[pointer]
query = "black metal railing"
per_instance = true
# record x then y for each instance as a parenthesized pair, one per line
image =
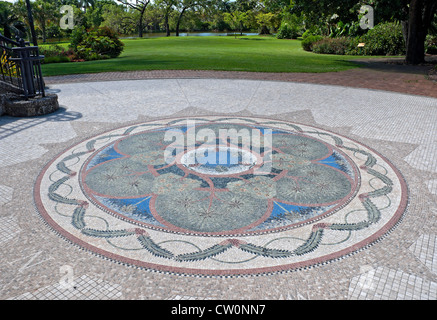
(21, 66)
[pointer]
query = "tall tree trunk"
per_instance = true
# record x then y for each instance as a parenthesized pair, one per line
(141, 23)
(140, 28)
(421, 14)
(44, 33)
(179, 21)
(7, 31)
(416, 34)
(167, 27)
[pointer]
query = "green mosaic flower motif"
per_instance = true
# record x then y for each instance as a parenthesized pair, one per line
(258, 187)
(300, 146)
(199, 212)
(172, 183)
(119, 178)
(142, 143)
(300, 184)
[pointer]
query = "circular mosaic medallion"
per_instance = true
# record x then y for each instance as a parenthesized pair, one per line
(221, 196)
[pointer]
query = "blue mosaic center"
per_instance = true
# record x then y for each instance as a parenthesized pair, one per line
(219, 162)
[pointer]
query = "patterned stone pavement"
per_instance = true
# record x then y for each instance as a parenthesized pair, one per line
(41, 262)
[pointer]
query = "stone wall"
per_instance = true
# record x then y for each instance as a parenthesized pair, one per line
(37, 106)
(12, 103)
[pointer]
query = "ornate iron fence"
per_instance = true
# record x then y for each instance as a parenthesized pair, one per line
(21, 66)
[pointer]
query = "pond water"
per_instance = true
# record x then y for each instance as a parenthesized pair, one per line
(163, 34)
(191, 34)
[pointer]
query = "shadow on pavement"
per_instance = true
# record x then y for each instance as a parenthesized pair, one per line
(11, 125)
(398, 65)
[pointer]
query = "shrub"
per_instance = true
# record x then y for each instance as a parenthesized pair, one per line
(56, 59)
(286, 31)
(332, 46)
(384, 39)
(307, 33)
(353, 48)
(77, 36)
(431, 44)
(55, 53)
(96, 44)
(307, 43)
(291, 26)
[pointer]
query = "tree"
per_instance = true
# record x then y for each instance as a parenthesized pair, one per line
(44, 12)
(153, 17)
(94, 15)
(183, 6)
(243, 5)
(236, 20)
(421, 15)
(140, 6)
(417, 14)
(119, 19)
(167, 7)
(9, 22)
(265, 21)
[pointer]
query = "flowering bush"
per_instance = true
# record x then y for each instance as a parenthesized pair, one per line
(332, 46)
(96, 44)
(55, 53)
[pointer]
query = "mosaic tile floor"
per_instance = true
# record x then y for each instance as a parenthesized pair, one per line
(259, 196)
(335, 199)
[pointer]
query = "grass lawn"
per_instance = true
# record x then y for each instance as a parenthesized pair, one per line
(250, 53)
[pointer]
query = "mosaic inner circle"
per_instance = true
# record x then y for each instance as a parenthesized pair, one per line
(221, 196)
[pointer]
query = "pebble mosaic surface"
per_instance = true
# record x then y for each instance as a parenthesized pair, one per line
(289, 197)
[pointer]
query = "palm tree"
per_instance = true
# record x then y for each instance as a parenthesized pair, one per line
(44, 12)
(9, 21)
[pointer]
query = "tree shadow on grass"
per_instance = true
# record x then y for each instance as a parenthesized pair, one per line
(252, 39)
(347, 63)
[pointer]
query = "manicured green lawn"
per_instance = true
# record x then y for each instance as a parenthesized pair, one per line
(254, 53)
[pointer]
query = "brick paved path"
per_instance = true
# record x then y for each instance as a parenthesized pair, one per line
(374, 75)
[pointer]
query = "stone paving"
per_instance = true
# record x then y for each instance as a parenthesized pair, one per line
(398, 120)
